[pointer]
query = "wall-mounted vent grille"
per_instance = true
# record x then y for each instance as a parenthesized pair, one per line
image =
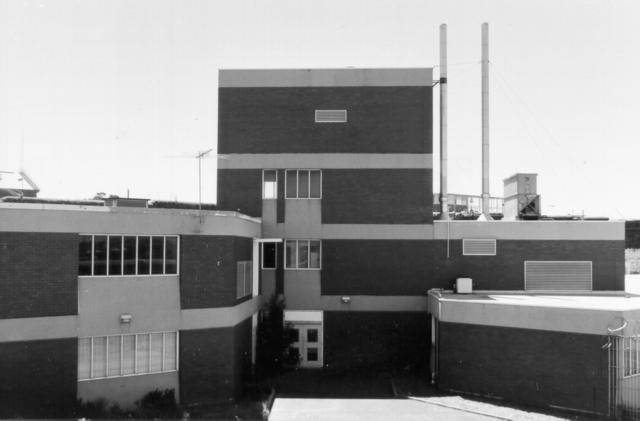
(557, 276)
(331, 116)
(478, 247)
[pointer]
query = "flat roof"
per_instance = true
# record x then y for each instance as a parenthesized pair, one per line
(580, 312)
(269, 78)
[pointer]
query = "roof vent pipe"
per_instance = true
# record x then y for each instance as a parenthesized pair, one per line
(485, 123)
(444, 194)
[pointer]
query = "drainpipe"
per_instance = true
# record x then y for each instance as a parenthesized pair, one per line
(444, 194)
(485, 122)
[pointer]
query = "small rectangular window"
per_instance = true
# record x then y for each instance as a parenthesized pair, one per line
(84, 255)
(314, 184)
(99, 255)
(100, 357)
(170, 360)
(155, 352)
(292, 184)
(129, 255)
(303, 184)
(113, 343)
(128, 354)
(144, 252)
(244, 275)
(157, 255)
(115, 255)
(142, 354)
(269, 255)
(331, 116)
(171, 255)
(290, 254)
(269, 184)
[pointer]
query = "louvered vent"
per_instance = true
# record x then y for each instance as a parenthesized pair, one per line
(331, 116)
(478, 247)
(557, 276)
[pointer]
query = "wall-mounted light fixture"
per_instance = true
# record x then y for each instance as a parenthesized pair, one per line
(345, 300)
(125, 318)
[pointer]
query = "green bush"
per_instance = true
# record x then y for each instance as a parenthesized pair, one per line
(156, 404)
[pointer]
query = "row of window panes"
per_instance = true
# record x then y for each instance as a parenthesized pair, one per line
(244, 277)
(117, 255)
(127, 355)
(631, 346)
(299, 184)
(303, 254)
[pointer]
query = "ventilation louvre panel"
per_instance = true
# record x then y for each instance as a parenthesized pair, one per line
(479, 247)
(558, 276)
(331, 116)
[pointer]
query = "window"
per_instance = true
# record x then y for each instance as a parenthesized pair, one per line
(303, 184)
(631, 352)
(331, 116)
(126, 355)
(269, 255)
(478, 247)
(303, 254)
(118, 255)
(269, 184)
(244, 277)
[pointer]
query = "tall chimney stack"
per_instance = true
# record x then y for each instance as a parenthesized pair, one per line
(444, 194)
(485, 122)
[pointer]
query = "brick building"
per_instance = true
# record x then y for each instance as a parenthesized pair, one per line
(325, 177)
(338, 164)
(107, 302)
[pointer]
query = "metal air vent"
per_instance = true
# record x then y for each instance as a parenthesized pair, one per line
(557, 275)
(478, 247)
(331, 116)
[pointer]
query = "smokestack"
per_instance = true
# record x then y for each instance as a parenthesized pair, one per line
(485, 122)
(444, 194)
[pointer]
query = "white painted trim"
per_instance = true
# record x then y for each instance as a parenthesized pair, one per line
(327, 161)
(530, 230)
(262, 78)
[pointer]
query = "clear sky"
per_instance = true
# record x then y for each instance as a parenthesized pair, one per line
(105, 96)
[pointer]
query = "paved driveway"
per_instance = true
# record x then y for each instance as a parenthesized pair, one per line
(301, 409)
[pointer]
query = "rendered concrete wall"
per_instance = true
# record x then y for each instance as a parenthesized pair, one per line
(152, 301)
(125, 391)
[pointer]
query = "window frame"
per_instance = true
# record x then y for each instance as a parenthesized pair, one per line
(122, 260)
(297, 260)
(246, 293)
(262, 256)
(276, 190)
(297, 196)
(135, 355)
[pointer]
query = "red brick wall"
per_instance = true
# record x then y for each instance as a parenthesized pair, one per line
(208, 269)
(39, 378)
(526, 366)
(214, 363)
(38, 274)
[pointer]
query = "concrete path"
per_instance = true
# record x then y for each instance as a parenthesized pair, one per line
(301, 409)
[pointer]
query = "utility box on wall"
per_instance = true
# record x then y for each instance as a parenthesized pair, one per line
(521, 198)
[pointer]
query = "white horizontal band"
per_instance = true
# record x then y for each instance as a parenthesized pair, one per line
(326, 160)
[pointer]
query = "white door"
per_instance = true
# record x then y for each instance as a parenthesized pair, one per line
(308, 344)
